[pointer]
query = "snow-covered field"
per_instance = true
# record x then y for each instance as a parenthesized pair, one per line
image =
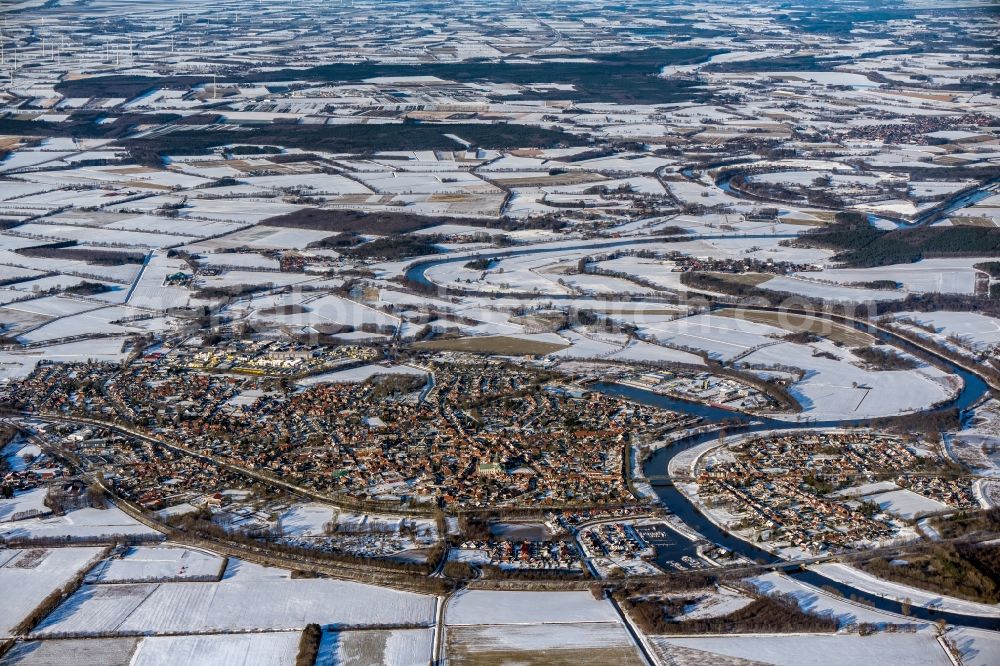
(814, 649)
(976, 444)
(262, 649)
(830, 292)
(28, 501)
(17, 364)
(953, 275)
(588, 345)
(978, 647)
(359, 374)
(906, 504)
(264, 238)
(393, 647)
(538, 637)
(160, 564)
(722, 337)
(840, 387)
(79, 651)
(322, 310)
(835, 383)
(495, 607)
(715, 603)
(310, 519)
(233, 605)
(82, 523)
(28, 576)
(976, 331)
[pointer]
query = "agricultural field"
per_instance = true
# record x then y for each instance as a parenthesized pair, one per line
(28, 576)
(258, 649)
(536, 644)
(395, 647)
(80, 524)
(804, 649)
(802, 324)
(391, 317)
(230, 605)
(164, 564)
(474, 607)
(499, 344)
(487, 627)
(82, 651)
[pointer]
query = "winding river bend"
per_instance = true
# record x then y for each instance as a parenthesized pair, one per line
(676, 502)
(973, 390)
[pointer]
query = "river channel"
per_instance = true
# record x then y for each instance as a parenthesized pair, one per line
(672, 499)
(973, 389)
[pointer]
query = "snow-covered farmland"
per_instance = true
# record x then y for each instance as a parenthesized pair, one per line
(28, 576)
(656, 271)
(438, 182)
(99, 236)
(495, 607)
(313, 310)
(972, 330)
(15, 364)
(723, 338)
(79, 651)
(315, 183)
(907, 504)
(261, 649)
(841, 387)
(978, 647)
(811, 288)
(233, 605)
(951, 275)
(265, 238)
(98, 321)
(28, 501)
(80, 524)
(812, 649)
(486, 638)
(150, 290)
(394, 647)
(312, 518)
(595, 642)
(158, 564)
(610, 346)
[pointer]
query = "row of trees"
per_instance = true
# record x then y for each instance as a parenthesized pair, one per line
(884, 359)
(309, 645)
